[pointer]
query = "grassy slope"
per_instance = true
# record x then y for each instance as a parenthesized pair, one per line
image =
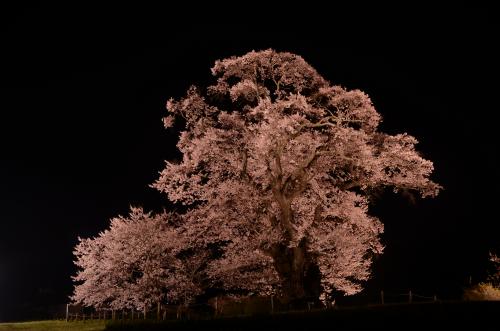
(53, 326)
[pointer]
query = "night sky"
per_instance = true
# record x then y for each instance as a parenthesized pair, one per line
(83, 91)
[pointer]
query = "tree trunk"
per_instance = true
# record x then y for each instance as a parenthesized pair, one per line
(296, 280)
(298, 272)
(290, 263)
(296, 268)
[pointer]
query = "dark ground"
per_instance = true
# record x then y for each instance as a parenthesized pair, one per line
(423, 316)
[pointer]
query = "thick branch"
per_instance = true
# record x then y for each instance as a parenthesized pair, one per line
(256, 84)
(286, 215)
(277, 162)
(244, 173)
(332, 121)
(300, 173)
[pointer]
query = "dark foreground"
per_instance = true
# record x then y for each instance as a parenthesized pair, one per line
(428, 316)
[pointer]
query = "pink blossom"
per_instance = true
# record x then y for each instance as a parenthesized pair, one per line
(279, 175)
(276, 178)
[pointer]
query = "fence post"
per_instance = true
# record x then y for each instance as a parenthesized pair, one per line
(272, 304)
(435, 298)
(104, 315)
(145, 311)
(409, 297)
(217, 306)
(382, 296)
(158, 311)
(67, 312)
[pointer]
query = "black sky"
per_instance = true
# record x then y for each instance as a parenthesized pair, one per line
(82, 94)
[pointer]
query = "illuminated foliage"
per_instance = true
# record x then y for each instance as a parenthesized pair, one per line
(139, 261)
(277, 171)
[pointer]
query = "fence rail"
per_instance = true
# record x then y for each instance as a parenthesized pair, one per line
(224, 307)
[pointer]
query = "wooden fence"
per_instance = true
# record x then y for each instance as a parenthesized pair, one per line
(228, 307)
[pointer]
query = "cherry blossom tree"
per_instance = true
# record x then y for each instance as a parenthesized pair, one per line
(277, 173)
(138, 262)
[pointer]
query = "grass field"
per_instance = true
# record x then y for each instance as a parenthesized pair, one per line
(53, 326)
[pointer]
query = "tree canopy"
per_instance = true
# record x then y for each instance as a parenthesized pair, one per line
(278, 166)
(277, 173)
